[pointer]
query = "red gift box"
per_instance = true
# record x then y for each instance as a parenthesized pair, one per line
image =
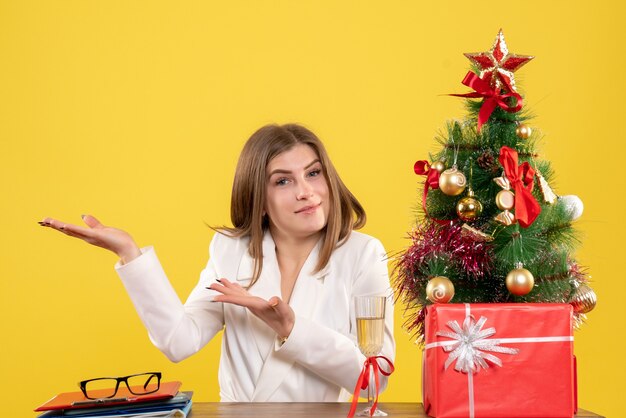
(503, 360)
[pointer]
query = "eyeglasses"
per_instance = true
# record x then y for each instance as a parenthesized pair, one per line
(107, 387)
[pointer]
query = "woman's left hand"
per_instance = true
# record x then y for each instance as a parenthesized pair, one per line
(277, 314)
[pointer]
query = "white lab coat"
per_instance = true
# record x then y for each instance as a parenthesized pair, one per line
(319, 362)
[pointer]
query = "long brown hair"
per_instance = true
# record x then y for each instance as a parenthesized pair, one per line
(249, 186)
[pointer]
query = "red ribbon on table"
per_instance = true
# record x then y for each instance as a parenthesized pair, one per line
(492, 97)
(363, 381)
(522, 180)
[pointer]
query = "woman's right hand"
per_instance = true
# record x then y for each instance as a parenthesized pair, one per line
(113, 239)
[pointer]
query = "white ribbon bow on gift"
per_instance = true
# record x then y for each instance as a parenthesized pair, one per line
(470, 350)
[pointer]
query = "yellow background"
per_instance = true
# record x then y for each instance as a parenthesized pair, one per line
(136, 112)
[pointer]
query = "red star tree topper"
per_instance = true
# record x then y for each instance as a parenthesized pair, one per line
(497, 65)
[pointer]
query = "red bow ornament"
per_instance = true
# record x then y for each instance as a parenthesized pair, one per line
(363, 381)
(522, 180)
(492, 97)
(423, 168)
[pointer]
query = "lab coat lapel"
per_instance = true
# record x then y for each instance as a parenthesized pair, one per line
(267, 285)
(307, 291)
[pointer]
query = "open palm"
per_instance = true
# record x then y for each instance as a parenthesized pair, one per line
(277, 314)
(95, 233)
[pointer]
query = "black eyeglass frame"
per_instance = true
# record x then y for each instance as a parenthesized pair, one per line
(83, 384)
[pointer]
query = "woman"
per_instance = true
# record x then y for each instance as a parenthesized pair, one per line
(291, 236)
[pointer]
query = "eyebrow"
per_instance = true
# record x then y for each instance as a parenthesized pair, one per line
(282, 171)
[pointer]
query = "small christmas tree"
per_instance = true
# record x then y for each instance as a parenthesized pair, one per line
(492, 229)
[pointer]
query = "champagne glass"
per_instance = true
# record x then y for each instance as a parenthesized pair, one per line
(370, 325)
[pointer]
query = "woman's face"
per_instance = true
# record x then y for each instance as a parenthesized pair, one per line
(297, 197)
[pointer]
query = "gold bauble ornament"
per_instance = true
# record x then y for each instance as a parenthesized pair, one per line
(452, 182)
(469, 208)
(438, 165)
(520, 281)
(439, 290)
(505, 200)
(523, 131)
(584, 299)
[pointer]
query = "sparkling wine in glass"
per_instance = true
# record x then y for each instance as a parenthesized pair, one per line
(370, 322)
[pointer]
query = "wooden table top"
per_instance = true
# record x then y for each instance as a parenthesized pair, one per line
(312, 409)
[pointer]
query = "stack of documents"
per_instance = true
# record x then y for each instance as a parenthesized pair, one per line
(166, 402)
